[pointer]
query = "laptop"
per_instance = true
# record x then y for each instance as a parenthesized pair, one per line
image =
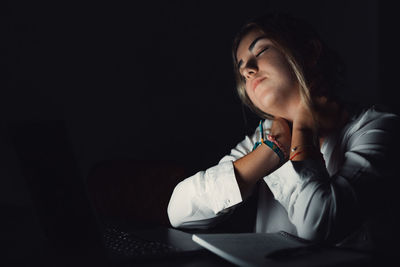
(73, 231)
(278, 249)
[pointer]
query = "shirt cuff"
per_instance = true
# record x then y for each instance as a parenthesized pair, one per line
(222, 181)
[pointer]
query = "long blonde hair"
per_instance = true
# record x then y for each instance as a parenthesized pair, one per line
(316, 67)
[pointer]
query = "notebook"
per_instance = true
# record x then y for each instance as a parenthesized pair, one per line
(276, 249)
(70, 226)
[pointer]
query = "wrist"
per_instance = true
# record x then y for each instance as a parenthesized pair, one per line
(276, 148)
(304, 144)
(272, 143)
(301, 152)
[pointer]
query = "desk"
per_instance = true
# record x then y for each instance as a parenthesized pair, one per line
(25, 246)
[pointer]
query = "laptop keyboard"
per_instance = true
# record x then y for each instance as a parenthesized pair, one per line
(131, 246)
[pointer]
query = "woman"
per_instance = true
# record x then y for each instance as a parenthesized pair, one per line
(316, 165)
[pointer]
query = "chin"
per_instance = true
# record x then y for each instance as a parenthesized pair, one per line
(266, 108)
(268, 111)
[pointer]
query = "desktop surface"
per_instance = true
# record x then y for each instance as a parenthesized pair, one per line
(26, 246)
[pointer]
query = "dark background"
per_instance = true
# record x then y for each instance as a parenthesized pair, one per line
(153, 79)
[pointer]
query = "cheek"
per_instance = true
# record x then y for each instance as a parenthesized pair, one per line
(286, 72)
(263, 98)
(250, 93)
(255, 97)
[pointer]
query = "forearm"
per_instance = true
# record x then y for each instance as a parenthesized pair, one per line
(304, 144)
(254, 166)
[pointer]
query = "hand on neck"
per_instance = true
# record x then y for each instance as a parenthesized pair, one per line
(324, 117)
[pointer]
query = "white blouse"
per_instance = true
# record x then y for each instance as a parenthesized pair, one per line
(314, 200)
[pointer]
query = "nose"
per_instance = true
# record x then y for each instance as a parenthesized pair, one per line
(250, 69)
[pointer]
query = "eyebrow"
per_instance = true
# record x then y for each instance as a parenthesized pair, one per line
(251, 47)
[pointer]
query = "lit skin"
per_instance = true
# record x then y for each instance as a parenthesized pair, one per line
(272, 87)
(278, 93)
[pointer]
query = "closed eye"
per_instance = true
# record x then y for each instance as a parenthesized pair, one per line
(262, 51)
(258, 54)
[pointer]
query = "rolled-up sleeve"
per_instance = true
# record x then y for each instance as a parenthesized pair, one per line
(202, 200)
(197, 200)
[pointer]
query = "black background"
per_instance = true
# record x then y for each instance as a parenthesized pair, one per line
(153, 80)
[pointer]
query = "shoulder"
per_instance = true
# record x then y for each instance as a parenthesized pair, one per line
(373, 117)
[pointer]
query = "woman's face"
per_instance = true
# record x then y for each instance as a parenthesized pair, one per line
(270, 83)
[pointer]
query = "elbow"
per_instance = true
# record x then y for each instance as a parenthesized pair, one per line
(316, 221)
(172, 216)
(179, 206)
(314, 229)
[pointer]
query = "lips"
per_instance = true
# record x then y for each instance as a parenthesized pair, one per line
(257, 82)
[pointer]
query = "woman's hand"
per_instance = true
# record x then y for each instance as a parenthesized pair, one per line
(281, 131)
(323, 118)
(304, 119)
(262, 161)
(311, 125)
